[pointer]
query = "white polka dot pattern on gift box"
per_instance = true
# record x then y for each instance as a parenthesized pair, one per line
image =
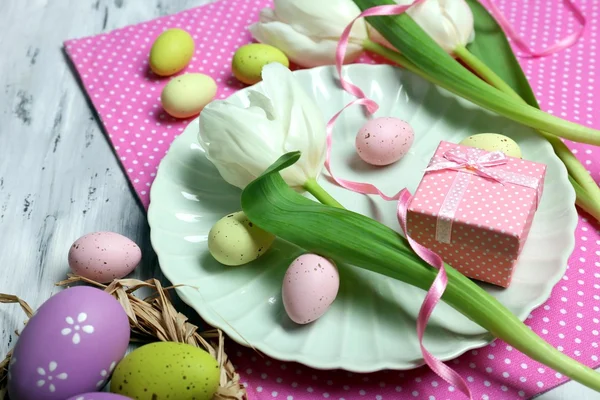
(474, 210)
(127, 100)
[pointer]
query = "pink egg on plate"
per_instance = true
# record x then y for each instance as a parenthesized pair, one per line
(104, 256)
(71, 345)
(99, 396)
(310, 286)
(383, 141)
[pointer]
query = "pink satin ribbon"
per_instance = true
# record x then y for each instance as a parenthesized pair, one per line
(520, 43)
(404, 197)
(370, 105)
(431, 299)
(340, 53)
(359, 187)
(476, 160)
(439, 284)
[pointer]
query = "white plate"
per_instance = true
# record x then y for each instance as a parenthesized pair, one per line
(371, 325)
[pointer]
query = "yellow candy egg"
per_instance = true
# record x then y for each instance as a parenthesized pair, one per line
(171, 52)
(187, 94)
(234, 240)
(493, 142)
(249, 60)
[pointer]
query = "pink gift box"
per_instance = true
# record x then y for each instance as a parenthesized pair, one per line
(475, 208)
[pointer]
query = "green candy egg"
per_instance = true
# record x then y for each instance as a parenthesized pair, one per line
(166, 370)
(249, 60)
(493, 142)
(171, 52)
(234, 240)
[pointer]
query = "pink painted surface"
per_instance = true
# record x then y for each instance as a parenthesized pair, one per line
(113, 71)
(491, 220)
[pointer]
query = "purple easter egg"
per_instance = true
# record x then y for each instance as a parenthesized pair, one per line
(99, 396)
(71, 345)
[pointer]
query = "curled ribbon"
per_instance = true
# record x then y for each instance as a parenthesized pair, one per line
(479, 164)
(432, 298)
(439, 284)
(520, 43)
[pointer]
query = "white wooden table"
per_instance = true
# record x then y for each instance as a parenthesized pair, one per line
(59, 178)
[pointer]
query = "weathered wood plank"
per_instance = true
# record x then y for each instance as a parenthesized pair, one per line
(59, 178)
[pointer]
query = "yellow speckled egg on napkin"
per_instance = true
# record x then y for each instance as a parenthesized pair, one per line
(167, 370)
(186, 95)
(171, 52)
(249, 60)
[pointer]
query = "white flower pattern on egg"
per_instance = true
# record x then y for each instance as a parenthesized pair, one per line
(105, 374)
(76, 327)
(48, 377)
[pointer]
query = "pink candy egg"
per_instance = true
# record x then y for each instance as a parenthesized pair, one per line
(310, 285)
(383, 141)
(99, 396)
(71, 345)
(104, 256)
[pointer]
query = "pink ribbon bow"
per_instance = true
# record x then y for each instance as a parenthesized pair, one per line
(475, 160)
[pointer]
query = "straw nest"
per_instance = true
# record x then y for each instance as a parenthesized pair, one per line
(152, 319)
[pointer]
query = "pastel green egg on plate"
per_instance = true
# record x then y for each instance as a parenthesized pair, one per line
(372, 324)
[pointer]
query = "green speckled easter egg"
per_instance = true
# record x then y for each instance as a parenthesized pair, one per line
(249, 60)
(493, 142)
(166, 370)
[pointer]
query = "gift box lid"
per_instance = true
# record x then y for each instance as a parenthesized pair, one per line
(486, 206)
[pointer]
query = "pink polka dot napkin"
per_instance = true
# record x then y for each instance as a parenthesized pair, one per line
(114, 73)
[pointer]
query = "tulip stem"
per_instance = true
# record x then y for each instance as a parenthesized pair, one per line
(584, 201)
(321, 194)
(397, 58)
(588, 192)
(484, 72)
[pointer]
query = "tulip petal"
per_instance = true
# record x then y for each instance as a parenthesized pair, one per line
(321, 19)
(243, 141)
(448, 22)
(302, 120)
(300, 49)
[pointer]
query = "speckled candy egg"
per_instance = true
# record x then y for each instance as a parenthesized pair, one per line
(70, 346)
(383, 141)
(235, 240)
(99, 396)
(104, 256)
(165, 370)
(248, 61)
(310, 285)
(186, 95)
(493, 142)
(171, 52)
